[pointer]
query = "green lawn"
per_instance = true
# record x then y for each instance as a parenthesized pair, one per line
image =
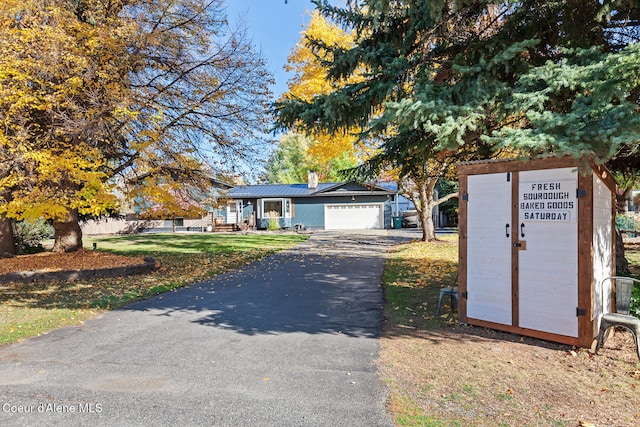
(413, 277)
(168, 243)
(31, 309)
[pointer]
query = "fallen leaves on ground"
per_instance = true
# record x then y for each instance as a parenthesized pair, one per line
(441, 373)
(28, 309)
(79, 260)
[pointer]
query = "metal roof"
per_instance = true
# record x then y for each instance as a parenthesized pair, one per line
(299, 190)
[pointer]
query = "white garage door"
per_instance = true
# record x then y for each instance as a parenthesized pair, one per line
(354, 217)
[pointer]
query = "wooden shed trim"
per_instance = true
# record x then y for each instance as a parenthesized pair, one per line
(563, 339)
(514, 165)
(462, 249)
(515, 252)
(585, 249)
(585, 260)
(517, 165)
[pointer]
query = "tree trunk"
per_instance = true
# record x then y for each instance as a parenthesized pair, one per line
(428, 229)
(7, 244)
(622, 200)
(68, 235)
(425, 194)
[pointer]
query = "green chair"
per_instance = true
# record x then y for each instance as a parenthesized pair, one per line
(623, 287)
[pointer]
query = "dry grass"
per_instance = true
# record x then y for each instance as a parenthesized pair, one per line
(443, 374)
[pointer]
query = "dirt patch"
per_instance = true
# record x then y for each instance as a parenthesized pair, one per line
(467, 376)
(79, 260)
(441, 373)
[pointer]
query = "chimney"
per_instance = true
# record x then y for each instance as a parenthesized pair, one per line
(313, 180)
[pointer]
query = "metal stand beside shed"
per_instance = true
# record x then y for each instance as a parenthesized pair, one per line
(536, 239)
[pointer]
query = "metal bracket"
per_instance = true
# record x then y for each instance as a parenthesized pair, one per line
(580, 312)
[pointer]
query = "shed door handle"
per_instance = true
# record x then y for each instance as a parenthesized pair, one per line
(507, 229)
(522, 230)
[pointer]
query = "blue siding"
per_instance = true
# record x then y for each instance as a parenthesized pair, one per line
(246, 211)
(282, 222)
(310, 211)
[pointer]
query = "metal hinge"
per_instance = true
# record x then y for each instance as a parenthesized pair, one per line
(465, 197)
(580, 193)
(580, 312)
(465, 295)
(508, 176)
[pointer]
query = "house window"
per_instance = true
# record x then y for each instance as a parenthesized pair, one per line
(272, 205)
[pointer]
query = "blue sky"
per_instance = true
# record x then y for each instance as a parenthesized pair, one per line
(275, 29)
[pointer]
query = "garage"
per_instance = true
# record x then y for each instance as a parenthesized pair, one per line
(354, 216)
(313, 206)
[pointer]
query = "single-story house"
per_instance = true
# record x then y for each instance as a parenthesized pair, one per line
(313, 205)
(132, 220)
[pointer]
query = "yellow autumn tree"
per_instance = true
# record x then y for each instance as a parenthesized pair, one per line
(61, 86)
(94, 93)
(311, 79)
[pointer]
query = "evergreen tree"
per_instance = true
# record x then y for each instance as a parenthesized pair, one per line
(454, 79)
(583, 99)
(407, 51)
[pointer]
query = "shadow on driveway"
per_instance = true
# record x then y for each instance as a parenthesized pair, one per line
(289, 340)
(329, 284)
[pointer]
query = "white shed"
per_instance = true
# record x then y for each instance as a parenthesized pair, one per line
(536, 239)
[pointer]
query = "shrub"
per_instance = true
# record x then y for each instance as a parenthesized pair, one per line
(29, 234)
(635, 302)
(274, 221)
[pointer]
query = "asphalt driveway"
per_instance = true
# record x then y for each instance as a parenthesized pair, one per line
(288, 341)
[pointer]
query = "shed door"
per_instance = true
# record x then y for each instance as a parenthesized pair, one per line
(548, 267)
(354, 217)
(489, 248)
